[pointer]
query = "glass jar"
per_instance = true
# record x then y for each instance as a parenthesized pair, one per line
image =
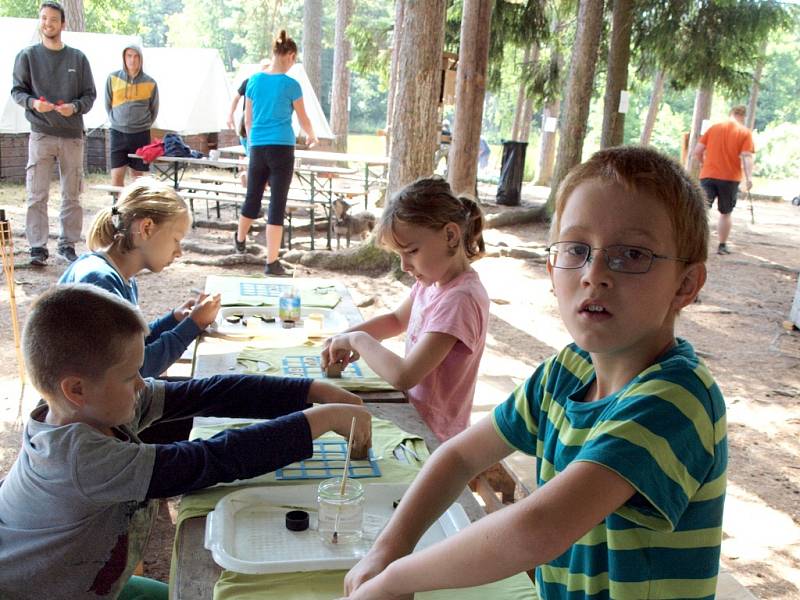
(342, 513)
(289, 305)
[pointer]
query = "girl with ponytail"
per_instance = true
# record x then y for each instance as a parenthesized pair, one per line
(437, 235)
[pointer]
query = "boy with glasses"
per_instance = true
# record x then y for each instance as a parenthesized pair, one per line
(627, 424)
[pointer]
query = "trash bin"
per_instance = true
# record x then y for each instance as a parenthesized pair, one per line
(512, 168)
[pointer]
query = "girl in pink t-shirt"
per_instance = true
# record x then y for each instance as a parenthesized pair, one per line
(437, 235)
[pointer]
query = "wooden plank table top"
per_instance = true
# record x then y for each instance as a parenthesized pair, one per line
(195, 569)
(369, 159)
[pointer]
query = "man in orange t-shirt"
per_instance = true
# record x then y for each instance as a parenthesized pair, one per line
(723, 150)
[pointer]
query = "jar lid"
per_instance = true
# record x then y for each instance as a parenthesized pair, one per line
(297, 520)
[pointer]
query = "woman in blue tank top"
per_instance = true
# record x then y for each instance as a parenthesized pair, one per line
(270, 98)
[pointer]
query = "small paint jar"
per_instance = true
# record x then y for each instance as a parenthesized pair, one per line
(340, 513)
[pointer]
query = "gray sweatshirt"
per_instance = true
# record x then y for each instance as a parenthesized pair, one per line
(131, 103)
(57, 75)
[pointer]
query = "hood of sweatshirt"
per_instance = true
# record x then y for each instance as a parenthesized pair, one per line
(138, 49)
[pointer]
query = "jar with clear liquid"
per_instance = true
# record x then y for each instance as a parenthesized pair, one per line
(289, 305)
(343, 513)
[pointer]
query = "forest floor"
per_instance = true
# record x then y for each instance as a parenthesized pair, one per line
(736, 329)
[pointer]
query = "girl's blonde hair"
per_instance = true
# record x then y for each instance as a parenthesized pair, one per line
(283, 44)
(144, 198)
(430, 202)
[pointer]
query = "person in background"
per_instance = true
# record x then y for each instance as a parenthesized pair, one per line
(132, 107)
(445, 317)
(54, 84)
(270, 99)
(724, 151)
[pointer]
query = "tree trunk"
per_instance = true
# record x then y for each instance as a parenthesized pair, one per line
(547, 146)
(73, 10)
(752, 101)
(399, 8)
(340, 87)
(578, 94)
(473, 62)
(524, 109)
(520, 104)
(419, 76)
(702, 110)
(312, 43)
(619, 54)
(652, 111)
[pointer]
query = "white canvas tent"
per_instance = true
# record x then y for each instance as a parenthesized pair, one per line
(313, 108)
(194, 92)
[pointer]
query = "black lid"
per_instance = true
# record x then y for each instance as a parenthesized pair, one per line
(297, 520)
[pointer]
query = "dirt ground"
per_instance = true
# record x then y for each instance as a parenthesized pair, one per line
(736, 328)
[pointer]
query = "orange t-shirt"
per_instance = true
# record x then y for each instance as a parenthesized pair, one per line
(724, 143)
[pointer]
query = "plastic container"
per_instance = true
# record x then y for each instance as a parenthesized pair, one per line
(289, 305)
(246, 531)
(340, 513)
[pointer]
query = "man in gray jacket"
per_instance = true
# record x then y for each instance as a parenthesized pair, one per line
(54, 84)
(132, 106)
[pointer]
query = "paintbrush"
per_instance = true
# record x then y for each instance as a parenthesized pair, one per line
(335, 539)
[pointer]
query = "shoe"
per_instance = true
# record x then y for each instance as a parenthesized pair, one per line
(723, 249)
(67, 253)
(241, 247)
(276, 269)
(39, 256)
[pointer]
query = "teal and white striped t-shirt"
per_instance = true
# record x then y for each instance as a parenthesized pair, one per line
(664, 433)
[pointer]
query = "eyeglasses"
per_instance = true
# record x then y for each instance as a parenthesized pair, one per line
(619, 258)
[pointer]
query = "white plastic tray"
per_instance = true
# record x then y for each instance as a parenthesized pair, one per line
(332, 322)
(246, 533)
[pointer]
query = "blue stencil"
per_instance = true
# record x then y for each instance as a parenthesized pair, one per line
(310, 365)
(328, 461)
(252, 289)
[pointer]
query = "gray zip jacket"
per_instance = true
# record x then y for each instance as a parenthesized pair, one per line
(131, 103)
(63, 75)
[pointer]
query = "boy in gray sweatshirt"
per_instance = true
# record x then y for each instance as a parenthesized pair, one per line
(132, 106)
(54, 84)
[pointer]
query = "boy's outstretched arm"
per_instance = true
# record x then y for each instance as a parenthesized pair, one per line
(514, 539)
(441, 481)
(243, 453)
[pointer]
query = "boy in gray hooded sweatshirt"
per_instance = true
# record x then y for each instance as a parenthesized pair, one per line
(132, 106)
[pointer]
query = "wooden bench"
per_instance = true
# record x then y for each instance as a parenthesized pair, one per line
(296, 202)
(218, 179)
(112, 190)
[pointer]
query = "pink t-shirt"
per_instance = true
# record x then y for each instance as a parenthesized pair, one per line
(459, 308)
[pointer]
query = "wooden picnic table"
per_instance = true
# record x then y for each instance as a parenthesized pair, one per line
(371, 162)
(218, 354)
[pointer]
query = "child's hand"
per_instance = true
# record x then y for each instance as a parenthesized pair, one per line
(205, 310)
(338, 349)
(327, 393)
(337, 417)
(372, 588)
(182, 311)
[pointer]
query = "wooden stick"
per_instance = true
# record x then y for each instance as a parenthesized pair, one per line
(7, 253)
(342, 487)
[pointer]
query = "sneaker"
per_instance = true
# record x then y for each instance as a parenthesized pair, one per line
(67, 253)
(276, 269)
(723, 249)
(240, 246)
(39, 256)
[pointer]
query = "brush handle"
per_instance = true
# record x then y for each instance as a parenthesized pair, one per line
(347, 457)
